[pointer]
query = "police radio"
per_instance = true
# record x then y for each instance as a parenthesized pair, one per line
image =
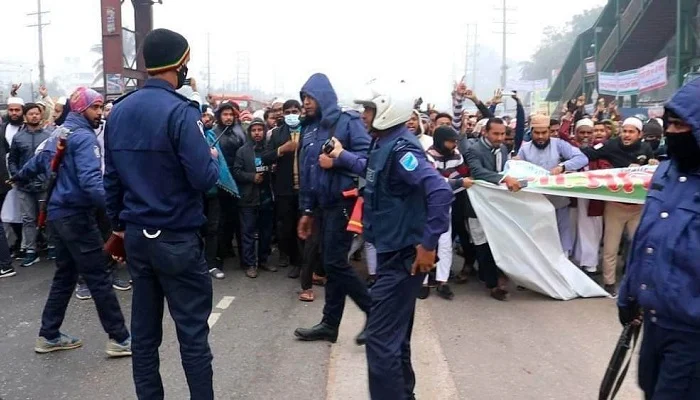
(328, 146)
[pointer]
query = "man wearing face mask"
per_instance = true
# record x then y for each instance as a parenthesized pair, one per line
(663, 273)
(652, 133)
(283, 151)
(157, 169)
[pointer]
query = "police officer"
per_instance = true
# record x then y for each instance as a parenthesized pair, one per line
(663, 272)
(157, 168)
(406, 209)
(321, 196)
(78, 191)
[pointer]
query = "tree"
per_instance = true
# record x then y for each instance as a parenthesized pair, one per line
(553, 50)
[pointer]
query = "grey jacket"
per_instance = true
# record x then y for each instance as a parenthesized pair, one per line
(22, 149)
(481, 159)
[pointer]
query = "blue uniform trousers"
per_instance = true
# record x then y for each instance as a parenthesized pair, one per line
(669, 363)
(79, 250)
(256, 220)
(342, 278)
(390, 324)
(169, 265)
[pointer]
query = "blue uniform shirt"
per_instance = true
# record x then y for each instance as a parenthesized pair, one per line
(663, 271)
(79, 186)
(410, 169)
(319, 187)
(157, 161)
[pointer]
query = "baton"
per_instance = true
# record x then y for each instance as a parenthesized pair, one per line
(219, 137)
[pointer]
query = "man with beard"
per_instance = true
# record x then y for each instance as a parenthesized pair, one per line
(486, 160)
(321, 196)
(627, 150)
(231, 138)
(663, 273)
(416, 126)
(255, 204)
(31, 192)
(79, 247)
(558, 157)
(15, 119)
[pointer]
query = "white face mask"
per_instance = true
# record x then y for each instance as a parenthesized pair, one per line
(292, 120)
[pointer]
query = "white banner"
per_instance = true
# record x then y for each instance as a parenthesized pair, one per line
(653, 76)
(521, 230)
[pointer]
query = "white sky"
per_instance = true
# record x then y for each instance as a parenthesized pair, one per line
(420, 41)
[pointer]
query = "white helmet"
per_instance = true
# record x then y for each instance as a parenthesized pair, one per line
(393, 102)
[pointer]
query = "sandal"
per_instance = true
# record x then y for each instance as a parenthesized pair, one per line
(306, 295)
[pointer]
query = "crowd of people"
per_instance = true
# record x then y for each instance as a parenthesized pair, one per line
(288, 174)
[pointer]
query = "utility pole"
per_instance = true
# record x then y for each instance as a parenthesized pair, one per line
(504, 32)
(208, 63)
(471, 53)
(40, 27)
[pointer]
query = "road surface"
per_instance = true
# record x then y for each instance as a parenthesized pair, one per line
(473, 347)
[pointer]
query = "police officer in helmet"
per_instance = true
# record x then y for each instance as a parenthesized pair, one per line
(157, 168)
(406, 210)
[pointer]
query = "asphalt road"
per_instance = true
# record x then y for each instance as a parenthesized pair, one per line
(472, 347)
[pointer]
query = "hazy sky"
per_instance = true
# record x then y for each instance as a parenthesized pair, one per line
(354, 41)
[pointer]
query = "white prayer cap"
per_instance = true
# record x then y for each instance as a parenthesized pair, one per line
(660, 121)
(15, 100)
(62, 100)
(278, 100)
(635, 122)
(260, 114)
(584, 122)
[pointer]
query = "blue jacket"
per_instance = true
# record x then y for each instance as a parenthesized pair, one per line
(319, 187)
(79, 187)
(407, 174)
(663, 271)
(157, 162)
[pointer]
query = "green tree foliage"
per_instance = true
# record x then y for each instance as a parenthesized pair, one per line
(556, 45)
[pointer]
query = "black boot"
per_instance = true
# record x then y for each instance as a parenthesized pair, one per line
(321, 331)
(361, 339)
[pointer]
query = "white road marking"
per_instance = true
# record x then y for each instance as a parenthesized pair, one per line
(434, 380)
(213, 317)
(225, 302)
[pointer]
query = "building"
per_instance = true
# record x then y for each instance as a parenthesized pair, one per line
(628, 35)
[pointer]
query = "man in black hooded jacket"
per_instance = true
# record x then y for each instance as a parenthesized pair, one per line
(231, 137)
(256, 202)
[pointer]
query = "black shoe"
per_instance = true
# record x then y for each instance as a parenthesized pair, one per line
(361, 339)
(424, 292)
(431, 279)
(283, 261)
(445, 291)
(294, 272)
(321, 331)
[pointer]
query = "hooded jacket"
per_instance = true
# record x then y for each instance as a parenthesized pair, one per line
(233, 137)
(320, 187)
(662, 270)
(248, 163)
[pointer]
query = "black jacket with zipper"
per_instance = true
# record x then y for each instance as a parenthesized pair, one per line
(24, 144)
(283, 183)
(244, 170)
